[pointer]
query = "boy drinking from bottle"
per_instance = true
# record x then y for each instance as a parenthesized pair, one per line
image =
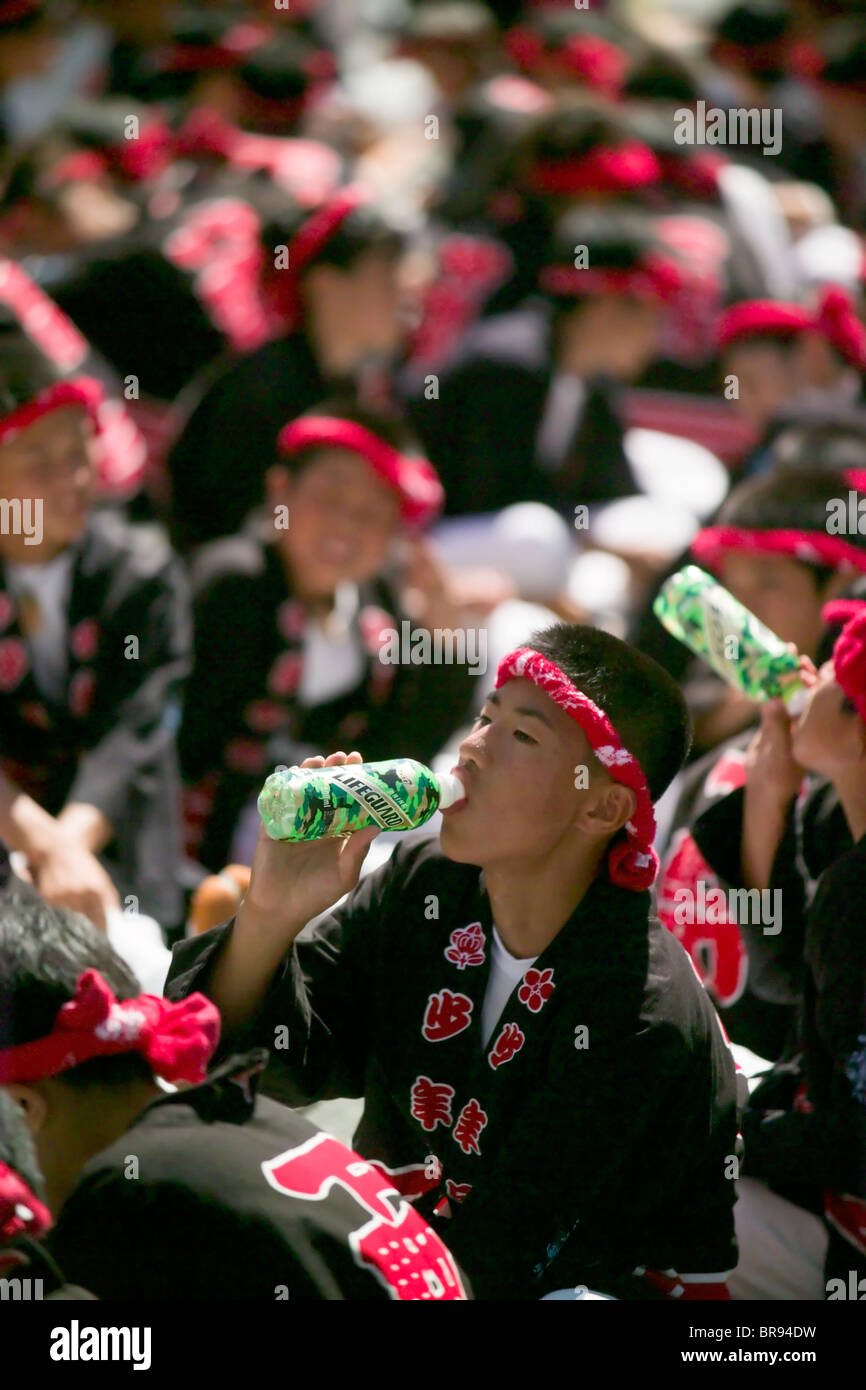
(542, 1072)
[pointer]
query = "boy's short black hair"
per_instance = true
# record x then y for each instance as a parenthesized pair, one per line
(43, 951)
(789, 499)
(364, 231)
(644, 704)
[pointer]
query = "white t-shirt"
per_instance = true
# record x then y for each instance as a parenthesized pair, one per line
(506, 972)
(333, 660)
(49, 585)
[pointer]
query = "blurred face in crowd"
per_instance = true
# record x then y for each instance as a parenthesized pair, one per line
(356, 311)
(522, 739)
(610, 335)
(342, 519)
(50, 462)
(765, 380)
(829, 736)
(782, 593)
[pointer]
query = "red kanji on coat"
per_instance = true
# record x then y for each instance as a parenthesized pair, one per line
(431, 1102)
(84, 639)
(536, 989)
(457, 1191)
(285, 673)
(510, 1041)
(13, 662)
(81, 691)
(291, 619)
(470, 1123)
(447, 1014)
(467, 946)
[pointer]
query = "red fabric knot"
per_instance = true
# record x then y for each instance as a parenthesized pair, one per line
(176, 1040)
(849, 658)
(21, 1213)
(631, 863)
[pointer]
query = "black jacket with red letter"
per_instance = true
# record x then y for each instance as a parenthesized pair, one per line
(590, 1136)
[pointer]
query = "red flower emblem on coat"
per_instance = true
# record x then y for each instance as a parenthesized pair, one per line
(7, 610)
(245, 755)
(376, 627)
(81, 691)
(467, 946)
(291, 619)
(285, 674)
(536, 989)
(470, 1123)
(447, 1014)
(83, 639)
(509, 1042)
(457, 1191)
(264, 716)
(13, 662)
(431, 1102)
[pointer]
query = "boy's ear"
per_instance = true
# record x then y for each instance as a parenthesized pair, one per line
(278, 483)
(608, 811)
(31, 1103)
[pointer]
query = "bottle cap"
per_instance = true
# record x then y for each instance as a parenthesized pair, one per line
(451, 789)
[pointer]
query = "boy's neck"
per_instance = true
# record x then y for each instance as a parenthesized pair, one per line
(106, 1114)
(852, 795)
(531, 902)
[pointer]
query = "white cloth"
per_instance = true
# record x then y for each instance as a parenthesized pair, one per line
(566, 398)
(138, 941)
(333, 661)
(506, 972)
(782, 1247)
(49, 585)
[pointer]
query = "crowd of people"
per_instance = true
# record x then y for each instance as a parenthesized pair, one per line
(330, 321)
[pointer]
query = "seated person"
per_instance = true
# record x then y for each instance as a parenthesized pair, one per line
(527, 408)
(805, 1125)
(770, 547)
(289, 624)
(254, 1202)
(524, 1033)
(93, 649)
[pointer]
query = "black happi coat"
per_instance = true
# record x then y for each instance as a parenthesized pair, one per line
(241, 718)
(210, 1214)
(481, 430)
(229, 440)
(109, 741)
(562, 1156)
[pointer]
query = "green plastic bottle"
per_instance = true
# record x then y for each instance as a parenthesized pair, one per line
(704, 616)
(308, 803)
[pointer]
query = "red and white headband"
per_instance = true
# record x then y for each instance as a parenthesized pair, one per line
(309, 240)
(810, 547)
(656, 278)
(21, 1213)
(415, 480)
(81, 390)
(176, 1040)
(631, 863)
(849, 649)
(604, 169)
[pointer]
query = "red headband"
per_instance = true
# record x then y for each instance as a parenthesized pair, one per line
(657, 278)
(834, 318)
(413, 479)
(176, 1040)
(811, 547)
(632, 863)
(849, 653)
(309, 240)
(21, 1214)
(599, 63)
(602, 170)
(81, 390)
